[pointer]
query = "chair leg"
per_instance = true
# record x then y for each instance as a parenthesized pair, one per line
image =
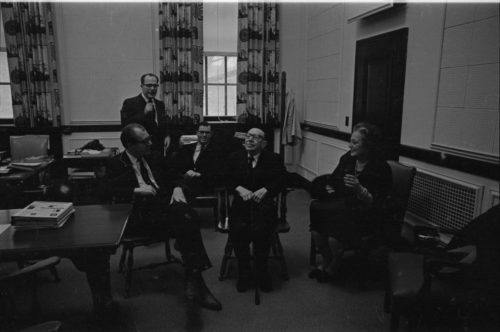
(279, 248)
(228, 250)
(128, 273)
(312, 253)
(123, 256)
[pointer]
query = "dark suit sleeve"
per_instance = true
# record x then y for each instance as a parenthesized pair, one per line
(233, 172)
(118, 184)
(278, 176)
(131, 113)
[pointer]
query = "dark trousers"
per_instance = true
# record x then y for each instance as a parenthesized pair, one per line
(96, 266)
(261, 239)
(157, 219)
(252, 223)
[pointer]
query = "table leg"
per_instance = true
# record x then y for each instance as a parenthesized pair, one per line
(97, 268)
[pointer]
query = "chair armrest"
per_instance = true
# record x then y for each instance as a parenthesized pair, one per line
(31, 269)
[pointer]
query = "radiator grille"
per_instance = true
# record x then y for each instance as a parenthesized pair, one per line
(443, 201)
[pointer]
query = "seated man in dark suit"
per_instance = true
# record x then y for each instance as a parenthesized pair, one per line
(146, 110)
(255, 176)
(160, 207)
(198, 163)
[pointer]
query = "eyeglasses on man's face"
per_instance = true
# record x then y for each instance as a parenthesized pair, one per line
(204, 132)
(253, 137)
(146, 140)
(151, 86)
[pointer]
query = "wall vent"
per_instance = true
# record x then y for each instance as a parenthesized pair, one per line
(443, 201)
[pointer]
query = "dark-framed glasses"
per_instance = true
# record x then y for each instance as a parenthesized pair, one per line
(146, 140)
(253, 137)
(151, 86)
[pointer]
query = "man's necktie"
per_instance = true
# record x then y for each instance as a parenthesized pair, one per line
(250, 162)
(144, 172)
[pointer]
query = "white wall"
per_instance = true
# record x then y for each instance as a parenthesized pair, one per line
(328, 69)
(103, 48)
(468, 96)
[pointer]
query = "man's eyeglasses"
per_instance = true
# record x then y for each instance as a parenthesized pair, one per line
(250, 137)
(203, 132)
(146, 140)
(151, 86)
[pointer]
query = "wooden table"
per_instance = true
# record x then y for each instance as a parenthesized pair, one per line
(88, 238)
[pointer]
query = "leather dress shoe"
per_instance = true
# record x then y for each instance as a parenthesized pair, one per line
(207, 300)
(197, 292)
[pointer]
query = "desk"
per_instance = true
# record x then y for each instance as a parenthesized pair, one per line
(88, 238)
(19, 176)
(87, 160)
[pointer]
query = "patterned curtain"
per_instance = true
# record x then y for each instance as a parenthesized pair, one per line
(258, 92)
(29, 37)
(181, 60)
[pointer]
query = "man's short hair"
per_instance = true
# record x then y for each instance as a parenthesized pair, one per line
(128, 135)
(204, 124)
(143, 77)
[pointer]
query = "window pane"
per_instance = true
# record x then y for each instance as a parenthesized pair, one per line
(231, 69)
(231, 100)
(216, 102)
(215, 69)
(5, 102)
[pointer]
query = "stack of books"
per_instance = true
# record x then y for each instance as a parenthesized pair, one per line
(40, 215)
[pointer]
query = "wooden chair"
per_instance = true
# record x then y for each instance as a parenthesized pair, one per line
(126, 264)
(277, 252)
(394, 210)
(9, 281)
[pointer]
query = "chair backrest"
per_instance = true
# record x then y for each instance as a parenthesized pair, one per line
(28, 146)
(402, 182)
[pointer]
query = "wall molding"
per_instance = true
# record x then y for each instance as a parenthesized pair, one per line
(464, 164)
(482, 156)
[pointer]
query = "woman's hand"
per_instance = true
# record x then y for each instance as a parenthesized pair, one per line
(329, 189)
(352, 182)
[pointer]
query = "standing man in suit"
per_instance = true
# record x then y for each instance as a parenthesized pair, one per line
(160, 207)
(199, 163)
(146, 110)
(255, 176)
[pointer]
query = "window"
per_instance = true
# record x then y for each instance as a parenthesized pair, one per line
(219, 85)
(6, 114)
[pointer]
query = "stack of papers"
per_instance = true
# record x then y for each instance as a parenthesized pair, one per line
(30, 163)
(39, 215)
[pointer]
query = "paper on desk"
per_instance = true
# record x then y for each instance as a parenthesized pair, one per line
(88, 151)
(3, 227)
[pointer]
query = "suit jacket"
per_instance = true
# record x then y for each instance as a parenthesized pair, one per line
(121, 180)
(270, 173)
(133, 112)
(207, 164)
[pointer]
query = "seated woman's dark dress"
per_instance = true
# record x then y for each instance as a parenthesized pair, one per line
(342, 215)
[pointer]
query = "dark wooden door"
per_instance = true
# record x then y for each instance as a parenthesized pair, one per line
(379, 85)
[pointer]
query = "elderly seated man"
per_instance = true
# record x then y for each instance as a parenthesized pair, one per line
(160, 207)
(255, 176)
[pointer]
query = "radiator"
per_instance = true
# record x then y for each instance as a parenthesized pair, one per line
(443, 201)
